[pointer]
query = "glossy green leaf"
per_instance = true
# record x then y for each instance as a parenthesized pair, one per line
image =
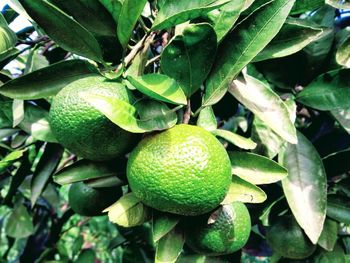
(235, 139)
(341, 4)
(19, 223)
(83, 170)
(243, 44)
(162, 224)
(306, 186)
(329, 91)
(243, 191)
(129, 14)
(294, 35)
(44, 170)
(337, 163)
(301, 6)
(223, 18)
(329, 235)
(170, 246)
(47, 81)
(207, 119)
(256, 169)
(64, 30)
(8, 38)
(114, 7)
(174, 12)
(9, 159)
(266, 105)
(17, 112)
(124, 114)
(343, 53)
(128, 211)
(35, 61)
(342, 115)
(188, 57)
(338, 208)
(159, 87)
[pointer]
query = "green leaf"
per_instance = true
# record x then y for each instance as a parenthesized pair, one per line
(188, 57)
(343, 53)
(338, 208)
(337, 163)
(124, 114)
(293, 37)
(159, 87)
(86, 256)
(128, 211)
(266, 105)
(174, 12)
(114, 7)
(243, 44)
(342, 115)
(109, 181)
(235, 139)
(340, 4)
(7, 133)
(243, 191)
(19, 224)
(256, 169)
(47, 81)
(170, 246)
(17, 111)
(225, 17)
(162, 224)
(328, 91)
(301, 6)
(207, 119)
(306, 186)
(44, 170)
(9, 159)
(336, 256)
(83, 170)
(8, 38)
(129, 14)
(329, 235)
(64, 30)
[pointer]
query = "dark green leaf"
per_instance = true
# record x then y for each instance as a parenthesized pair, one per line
(46, 167)
(342, 115)
(338, 208)
(128, 211)
(336, 256)
(159, 87)
(306, 186)
(243, 44)
(9, 159)
(329, 235)
(235, 139)
(329, 91)
(243, 191)
(19, 223)
(83, 170)
(129, 14)
(64, 30)
(207, 119)
(301, 6)
(114, 7)
(162, 224)
(86, 256)
(343, 53)
(256, 169)
(35, 61)
(102, 182)
(188, 57)
(47, 81)
(170, 246)
(337, 163)
(174, 12)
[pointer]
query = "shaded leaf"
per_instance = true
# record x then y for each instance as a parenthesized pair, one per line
(207, 119)
(243, 191)
(256, 169)
(159, 87)
(162, 224)
(343, 53)
(9, 159)
(189, 56)
(338, 208)
(130, 12)
(235, 139)
(110, 181)
(337, 163)
(170, 246)
(7, 133)
(174, 12)
(342, 115)
(306, 186)
(128, 211)
(266, 105)
(329, 91)
(243, 44)
(72, 36)
(114, 7)
(341, 4)
(19, 223)
(301, 6)
(47, 81)
(86, 256)
(329, 235)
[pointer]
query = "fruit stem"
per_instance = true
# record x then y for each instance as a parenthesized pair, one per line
(187, 114)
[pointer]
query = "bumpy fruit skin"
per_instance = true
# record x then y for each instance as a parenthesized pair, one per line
(88, 201)
(228, 234)
(82, 129)
(184, 170)
(287, 238)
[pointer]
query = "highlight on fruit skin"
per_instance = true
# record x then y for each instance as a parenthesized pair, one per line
(223, 232)
(184, 170)
(81, 128)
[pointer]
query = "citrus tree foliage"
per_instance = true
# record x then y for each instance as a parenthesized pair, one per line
(269, 79)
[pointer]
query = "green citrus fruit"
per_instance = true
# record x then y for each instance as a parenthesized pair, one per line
(226, 231)
(81, 128)
(287, 239)
(184, 170)
(88, 201)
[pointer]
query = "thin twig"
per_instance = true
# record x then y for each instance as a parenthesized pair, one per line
(187, 114)
(152, 60)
